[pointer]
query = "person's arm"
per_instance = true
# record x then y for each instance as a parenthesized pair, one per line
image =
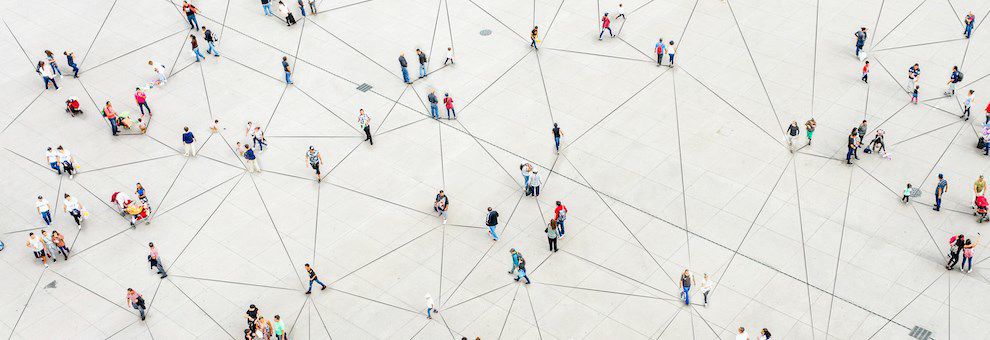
(320, 156)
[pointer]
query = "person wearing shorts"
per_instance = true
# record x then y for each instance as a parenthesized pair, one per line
(315, 159)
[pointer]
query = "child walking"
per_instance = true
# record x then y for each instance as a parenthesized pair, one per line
(907, 194)
(914, 95)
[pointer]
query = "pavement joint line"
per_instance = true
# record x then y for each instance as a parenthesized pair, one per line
(13, 329)
(508, 312)
(804, 247)
(11, 122)
(18, 41)
(497, 19)
(898, 24)
(275, 227)
(100, 30)
(201, 309)
(207, 221)
(131, 51)
(838, 256)
(755, 67)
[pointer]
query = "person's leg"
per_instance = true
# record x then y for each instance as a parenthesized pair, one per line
(405, 75)
(47, 216)
(302, 9)
(687, 295)
(610, 32)
(422, 70)
(161, 268)
(705, 295)
(213, 47)
(321, 283)
(536, 191)
(601, 33)
(312, 7)
(310, 289)
(55, 69)
(560, 223)
(76, 215)
(659, 59)
(527, 279)
(938, 202)
(556, 143)
(65, 252)
(491, 230)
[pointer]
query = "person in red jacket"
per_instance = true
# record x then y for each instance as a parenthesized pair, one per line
(988, 115)
(560, 214)
(606, 25)
(449, 102)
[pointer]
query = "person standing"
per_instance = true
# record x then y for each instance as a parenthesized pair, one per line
(191, 11)
(532, 37)
(65, 157)
(422, 63)
(987, 110)
(522, 271)
(155, 260)
(50, 57)
(364, 120)
(979, 188)
(142, 100)
(907, 194)
(313, 278)
(954, 78)
(71, 206)
(59, 241)
(967, 254)
(534, 184)
(287, 70)
(606, 25)
(968, 104)
(913, 73)
(686, 281)
(552, 234)
(866, 72)
(195, 48)
(280, 333)
(792, 133)
(860, 40)
(302, 7)
(289, 18)
(141, 194)
(258, 138)
(404, 65)
(266, 5)
(111, 115)
(449, 103)
(526, 169)
(861, 131)
(450, 56)
(515, 260)
(851, 146)
(492, 222)
(187, 142)
(46, 74)
(940, 189)
(210, 42)
(706, 286)
(742, 335)
(70, 59)
(37, 245)
(252, 159)
(809, 128)
(560, 215)
(956, 245)
(970, 20)
(557, 133)
(52, 158)
(44, 209)
(661, 49)
(314, 159)
(430, 307)
(432, 97)
(50, 245)
(440, 205)
(136, 301)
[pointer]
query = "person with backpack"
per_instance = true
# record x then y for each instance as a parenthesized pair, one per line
(560, 215)
(954, 78)
(515, 260)
(136, 301)
(449, 103)
(210, 42)
(492, 222)
(606, 25)
(522, 271)
(956, 245)
(660, 48)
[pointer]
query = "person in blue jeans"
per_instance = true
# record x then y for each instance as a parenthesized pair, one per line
(860, 39)
(522, 271)
(434, 110)
(70, 59)
(492, 222)
(686, 281)
(287, 69)
(195, 48)
(266, 5)
(302, 7)
(45, 209)
(557, 133)
(404, 64)
(940, 190)
(313, 278)
(515, 260)
(422, 62)
(210, 42)
(970, 19)
(190, 11)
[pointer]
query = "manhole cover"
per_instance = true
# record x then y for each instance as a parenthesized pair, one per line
(364, 87)
(486, 32)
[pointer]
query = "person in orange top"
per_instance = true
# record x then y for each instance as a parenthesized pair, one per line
(111, 115)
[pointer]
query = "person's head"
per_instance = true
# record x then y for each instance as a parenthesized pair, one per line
(554, 124)
(41, 198)
(794, 122)
(861, 29)
(511, 250)
(620, 5)
(277, 318)
(31, 234)
(968, 242)
(706, 275)
(151, 62)
(558, 203)
(764, 331)
(66, 195)
(864, 121)
(129, 290)
(186, 129)
(203, 27)
(441, 193)
(56, 233)
(247, 147)
(686, 272)
(450, 48)
(536, 28)
(962, 237)
(955, 68)
(867, 62)
(743, 329)
(402, 54)
(59, 148)
(283, 59)
(553, 223)
(671, 43)
(916, 87)
(971, 91)
(257, 128)
(361, 111)
(916, 65)
(43, 232)
(151, 244)
(41, 63)
(108, 103)
(489, 208)
(306, 265)
(192, 36)
(311, 148)
(981, 177)
(445, 94)
(252, 307)
(939, 176)
(909, 185)
(139, 185)
(65, 52)
(48, 52)
(49, 148)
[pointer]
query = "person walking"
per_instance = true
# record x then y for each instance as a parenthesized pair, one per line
(851, 146)
(907, 194)
(46, 74)
(156, 261)
(557, 133)
(312, 7)
(534, 184)
(522, 271)
(302, 7)
(136, 301)
(141, 99)
(364, 121)
(560, 215)
(71, 206)
(552, 234)
(191, 11)
(70, 59)
(515, 260)
(404, 65)
(422, 63)
(792, 133)
(252, 159)
(809, 128)
(44, 209)
(940, 189)
(67, 161)
(450, 56)
(866, 72)
(620, 12)
(50, 57)
(913, 73)
(686, 281)
(532, 37)
(970, 20)
(670, 53)
(210, 42)
(252, 315)
(741, 334)
(287, 70)
(49, 245)
(860, 39)
(492, 222)
(449, 103)
(661, 49)
(314, 159)
(861, 131)
(37, 245)
(606, 25)
(258, 139)
(279, 326)
(968, 104)
(52, 158)
(284, 11)
(432, 97)
(59, 241)
(266, 6)
(313, 278)
(440, 205)
(187, 142)
(954, 77)
(956, 245)
(430, 307)
(706, 286)
(195, 48)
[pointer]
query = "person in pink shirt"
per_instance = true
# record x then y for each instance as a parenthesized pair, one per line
(142, 100)
(136, 301)
(156, 262)
(449, 102)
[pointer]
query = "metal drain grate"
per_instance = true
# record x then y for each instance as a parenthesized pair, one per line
(485, 32)
(364, 87)
(920, 333)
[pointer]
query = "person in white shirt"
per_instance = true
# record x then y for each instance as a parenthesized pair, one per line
(72, 206)
(706, 286)
(44, 209)
(65, 157)
(52, 158)
(534, 184)
(364, 120)
(430, 307)
(37, 246)
(159, 71)
(968, 103)
(742, 335)
(215, 126)
(47, 74)
(450, 56)
(620, 13)
(258, 138)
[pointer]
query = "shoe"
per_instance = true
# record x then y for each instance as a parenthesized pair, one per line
(309, 292)
(324, 288)
(164, 276)
(46, 266)
(517, 279)
(445, 221)
(71, 176)
(970, 270)
(142, 318)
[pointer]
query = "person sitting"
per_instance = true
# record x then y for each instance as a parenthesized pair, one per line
(124, 119)
(72, 106)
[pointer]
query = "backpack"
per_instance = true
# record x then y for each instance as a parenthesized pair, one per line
(982, 143)
(959, 76)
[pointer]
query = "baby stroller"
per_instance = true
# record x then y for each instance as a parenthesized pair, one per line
(72, 106)
(138, 213)
(981, 209)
